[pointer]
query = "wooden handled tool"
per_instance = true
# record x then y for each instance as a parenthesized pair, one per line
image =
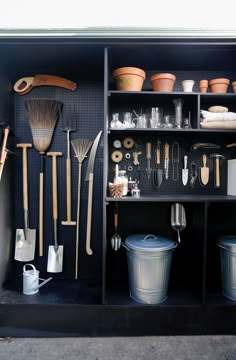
(4, 151)
(217, 158)
(25, 85)
(204, 171)
(166, 162)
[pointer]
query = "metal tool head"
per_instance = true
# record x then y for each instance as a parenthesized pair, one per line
(68, 121)
(217, 156)
(205, 146)
(55, 259)
(25, 244)
(92, 156)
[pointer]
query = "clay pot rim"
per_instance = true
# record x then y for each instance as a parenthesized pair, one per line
(203, 82)
(233, 83)
(163, 76)
(128, 70)
(219, 81)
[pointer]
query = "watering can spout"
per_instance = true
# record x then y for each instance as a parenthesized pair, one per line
(43, 283)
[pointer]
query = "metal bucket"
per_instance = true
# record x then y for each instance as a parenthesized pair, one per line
(227, 246)
(149, 262)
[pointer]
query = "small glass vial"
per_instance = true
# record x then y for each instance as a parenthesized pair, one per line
(122, 178)
(135, 192)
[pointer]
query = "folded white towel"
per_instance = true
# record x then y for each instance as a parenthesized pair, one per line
(223, 116)
(218, 124)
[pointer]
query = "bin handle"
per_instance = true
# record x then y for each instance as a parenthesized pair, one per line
(149, 235)
(175, 245)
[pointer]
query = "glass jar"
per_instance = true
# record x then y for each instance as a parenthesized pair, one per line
(122, 178)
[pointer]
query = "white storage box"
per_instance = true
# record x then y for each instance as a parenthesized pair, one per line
(231, 186)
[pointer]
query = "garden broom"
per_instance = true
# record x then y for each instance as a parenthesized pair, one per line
(42, 115)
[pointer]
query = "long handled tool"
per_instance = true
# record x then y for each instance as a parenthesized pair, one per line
(148, 157)
(25, 238)
(217, 158)
(43, 115)
(68, 128)
(55, 252)
(81, 148)
(3, 156)
(89, 178)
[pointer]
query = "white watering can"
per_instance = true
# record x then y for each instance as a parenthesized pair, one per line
(31, 279)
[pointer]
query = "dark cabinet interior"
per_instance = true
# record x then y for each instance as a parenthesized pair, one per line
(102, 290)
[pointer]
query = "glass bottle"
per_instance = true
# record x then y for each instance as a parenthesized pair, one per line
(122, 178)
(178, 112)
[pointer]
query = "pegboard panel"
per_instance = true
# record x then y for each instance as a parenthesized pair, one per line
(171, 186)
(84, 108)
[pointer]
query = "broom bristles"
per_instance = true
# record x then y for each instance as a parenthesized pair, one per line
(42, 116)
(81, 148)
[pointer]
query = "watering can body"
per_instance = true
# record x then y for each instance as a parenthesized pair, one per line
(31, 280)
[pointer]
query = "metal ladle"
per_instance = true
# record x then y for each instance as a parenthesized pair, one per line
(116, 238)
(178, 218)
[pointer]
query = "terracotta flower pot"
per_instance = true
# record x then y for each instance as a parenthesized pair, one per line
(219, 85)
(129, 78)
(203, 86)
(163, 82)
(234, 86)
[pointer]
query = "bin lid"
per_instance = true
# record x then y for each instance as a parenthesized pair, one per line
(229, 240)
(149, 242)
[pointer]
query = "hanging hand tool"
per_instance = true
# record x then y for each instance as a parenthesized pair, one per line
(193, 174)
(230, 145)
(55, 252)
(68, 129)
(148, 157)
(205, 146)
(25, 238)
(135, 157)
(167, 159)
(217, 158)
(175, 161)
(25, 85)
(158, 173)
(185, 171)
(204, 171)
(89, 178)
(3, 157)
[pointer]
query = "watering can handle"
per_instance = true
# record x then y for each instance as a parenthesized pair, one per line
(32, 266)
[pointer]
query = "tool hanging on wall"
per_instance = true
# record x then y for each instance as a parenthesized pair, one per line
(175, 161)
(136, 154)
(193, 174)
(230, 145)
(148, 157)
(25, 238)
(217, 158)
(158, 173)
(81, 148)
(55, 252)
(89, 178)
(185, 171)
(166, 161)
(67, 127)
(42, 115)
(204, 171)
(4, 151)
(205, 146)
(24, 85)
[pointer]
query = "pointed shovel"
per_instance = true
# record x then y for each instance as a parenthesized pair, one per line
(55, 252)
(25, 238)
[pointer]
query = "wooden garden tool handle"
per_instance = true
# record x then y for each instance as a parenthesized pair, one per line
(4, 144)
(54, 182)
(24, 85)
(25, 174)
(231, 145)
(204, 160)
(148, 150)
(89, 215)
(217, 160)
(158, 154)
(166, 151)
(41, 189)
(68, 189)
(115, 218)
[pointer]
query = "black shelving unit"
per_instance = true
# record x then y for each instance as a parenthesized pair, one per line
(98, 303)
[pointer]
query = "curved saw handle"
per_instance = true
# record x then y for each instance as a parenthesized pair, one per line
(24, 86)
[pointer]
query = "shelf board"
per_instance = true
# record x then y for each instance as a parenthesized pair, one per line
(175, 198)
(148, 130)
(174, 93)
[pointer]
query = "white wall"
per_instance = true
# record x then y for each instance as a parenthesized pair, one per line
(104, 13)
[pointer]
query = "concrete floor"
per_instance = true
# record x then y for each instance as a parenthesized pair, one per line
(131, 348)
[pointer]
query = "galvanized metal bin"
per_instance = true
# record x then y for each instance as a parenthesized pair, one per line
(149, 262)
(227, 246)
